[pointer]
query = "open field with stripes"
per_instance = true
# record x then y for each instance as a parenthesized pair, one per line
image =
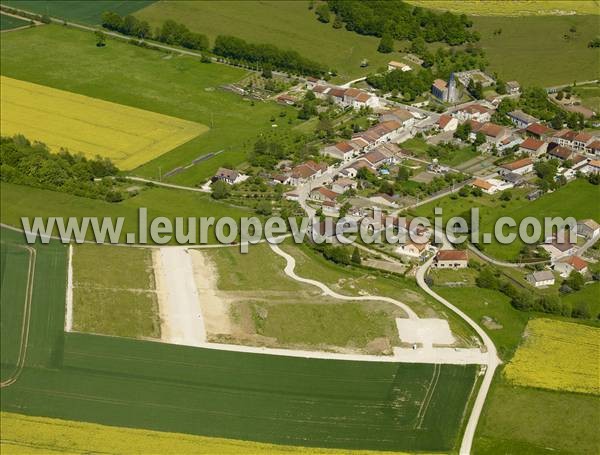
(127, 136)
(512, 7)
(276, 399)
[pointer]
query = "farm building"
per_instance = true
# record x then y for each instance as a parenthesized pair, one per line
(521, 119)
(541, 279)
(588, 228)
(521, 167)
(451, 259)
(570, 264)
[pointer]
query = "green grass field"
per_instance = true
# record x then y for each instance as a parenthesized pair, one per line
(181, 87)
(525, 420)
(576, 199)
(513, 7)
(529, 47)
(108, 301)
(10, 22)
(87, 12)
(590, 96)
(287, 24)
(23, 201)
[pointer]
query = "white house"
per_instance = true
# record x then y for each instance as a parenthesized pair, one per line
(521, 119)
(491, 186)
(569, 264)
(447, 123)
(404, 117)
(521, 167)
(475, 112)
(393, 65)
(533, 147)
(540, 279)
(412, 249)
(228, 176)
(343, 184)
(588, 228)
(451, 259)
(323, 194)
(342, 151)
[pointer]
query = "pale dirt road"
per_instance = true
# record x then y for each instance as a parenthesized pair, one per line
(492, 361)
(182, 321)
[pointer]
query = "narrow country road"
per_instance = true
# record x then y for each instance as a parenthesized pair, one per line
(289, 271)
(492, 361)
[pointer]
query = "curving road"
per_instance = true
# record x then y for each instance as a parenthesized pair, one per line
(289, 271)
(492, 361)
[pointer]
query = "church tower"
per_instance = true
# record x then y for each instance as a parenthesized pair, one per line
(452, 91)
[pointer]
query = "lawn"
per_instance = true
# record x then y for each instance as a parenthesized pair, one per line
(109, 302)
(590, 95)
(512, 8)
(85, 11)
(286, 24)
(177, 86)
(557, 355)
(129, 137)
(577, 199)
(529, 47)
(10, 22)
(22, 201)
(521, 420)
(40, 435)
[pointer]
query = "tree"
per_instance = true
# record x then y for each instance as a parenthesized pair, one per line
(337, 22)
(487, 279)
(356, 259)
(575, 280)
(463, 131)
(220, 190)
(322, 13)
(404, 174)
(500, 87)
(386, 45)
(479, 139)
(506, 195)
(264, 208)
(100, 38)
(267, 72)
(464, 191)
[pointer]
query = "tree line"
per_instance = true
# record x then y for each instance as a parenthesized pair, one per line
(170, 32)
(24, 163)
(396, 19)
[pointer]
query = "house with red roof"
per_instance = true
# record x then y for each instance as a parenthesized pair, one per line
(521, 167)
(538, 131)
(533, 147)
(473, 112)
(343, 151)
(451, 259)
(569, 264)
(447, 123)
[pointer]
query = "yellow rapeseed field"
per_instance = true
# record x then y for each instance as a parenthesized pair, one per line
(559, 356)
(512, 7)
(20, 434)
(126, 135)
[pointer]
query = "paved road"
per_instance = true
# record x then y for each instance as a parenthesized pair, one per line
(492, 361)
(168, 185)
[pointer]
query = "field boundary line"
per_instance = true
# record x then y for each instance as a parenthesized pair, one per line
(437, 369)
(26, 319)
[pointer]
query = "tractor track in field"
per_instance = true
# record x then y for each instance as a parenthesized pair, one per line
(26, 319)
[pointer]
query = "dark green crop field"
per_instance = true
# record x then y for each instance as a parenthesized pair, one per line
(9, 22)
(144, 384)
(87, 12)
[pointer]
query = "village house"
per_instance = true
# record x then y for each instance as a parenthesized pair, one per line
(351, 171)
(491, 186)
(320, 91)
(447, 123)
(570, 264)
(588, 228)
(541, 279)
(563, 137)
(581, 140)
(286, 99)
(473, 112)
(513, 88)
(311, 82)
(342, 151)
(292, 195)
(538, 131)
(343, 184)
(512, 178)
(383, 132)
(521, 119)
(402, 116)
(228, 176)
(451, 259)
(593, 148)
(393, 65)
(323, 194)
(559, 152)
(305, 172)
(521, 167)
(358, 98)
(494, 134)
(336, 94)
(593, 167)
(533, 147)
(413, 249)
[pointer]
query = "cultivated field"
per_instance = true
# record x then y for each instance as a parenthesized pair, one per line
(87, 12)
(558, 356)
(22, 434)
(127, 136)
(512, 7)
(15, 262)
(286, 24)
(180, 87)
(114, 291)
(10, 22)
(547, 38)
